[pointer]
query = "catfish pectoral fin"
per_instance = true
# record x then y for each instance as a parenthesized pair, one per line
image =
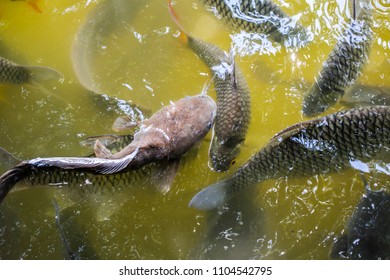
(101, 151)
(164, 176)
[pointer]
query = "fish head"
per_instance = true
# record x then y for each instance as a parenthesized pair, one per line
(223, 153)
(318, 100)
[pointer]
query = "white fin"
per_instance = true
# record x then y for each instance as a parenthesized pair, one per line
(124, 123)
(43, 73)
(211, 197)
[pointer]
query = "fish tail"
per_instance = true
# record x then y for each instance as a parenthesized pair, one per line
(11, 177)
(211, 197)
(183, 34)
(33, 4)
(43, 73)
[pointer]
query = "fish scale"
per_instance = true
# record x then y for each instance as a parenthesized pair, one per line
(262, 17)
(12, 73)
(319, 146)
(233, 104)
(343, 65)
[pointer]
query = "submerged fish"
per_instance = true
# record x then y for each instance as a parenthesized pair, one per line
(323, 145)
(18, 74)
(368, 230)
(33, 4)
(344, 63)
(233, 101)
(166, 136)
(363, 95)
(263, 17)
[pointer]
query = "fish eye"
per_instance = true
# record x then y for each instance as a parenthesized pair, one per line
(233, 162)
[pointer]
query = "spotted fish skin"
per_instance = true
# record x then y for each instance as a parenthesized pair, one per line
(323, 145)
(343, 65)
(260, 16)
(13, 73)
(233, 104)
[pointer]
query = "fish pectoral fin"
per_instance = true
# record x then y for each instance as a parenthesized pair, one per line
(100, 150)
(105, 139)
(124, 123)
(165, 174)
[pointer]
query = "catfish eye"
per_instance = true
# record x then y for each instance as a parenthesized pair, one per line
(233, 162)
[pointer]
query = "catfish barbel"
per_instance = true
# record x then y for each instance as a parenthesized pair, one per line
(323, 145)
(262, 17)
(233, 100)
(344, 64)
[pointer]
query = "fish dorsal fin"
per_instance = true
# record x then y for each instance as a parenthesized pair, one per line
(100, 150)
(233, 68)
(288, 132)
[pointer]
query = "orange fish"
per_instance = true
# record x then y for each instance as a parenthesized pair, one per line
(33, 4)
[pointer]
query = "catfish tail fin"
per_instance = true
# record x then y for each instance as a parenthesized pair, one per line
(11, 177)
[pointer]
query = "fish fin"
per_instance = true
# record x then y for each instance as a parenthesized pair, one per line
(183, 34)
(105, 139)
(33, 4)
(100, 150)
(44, 90)
(11, 177)
(211, 197)
(7, 160)
(233, 69)
(365, 95)
(207, 85)
(164, 177)
(124, 123)
(288, 132)
(43, 73)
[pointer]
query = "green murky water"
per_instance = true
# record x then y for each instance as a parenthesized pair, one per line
(135, 56)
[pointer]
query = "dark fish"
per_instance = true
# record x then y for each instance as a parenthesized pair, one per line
(233, 101)
(263, 17)
(368, 230)
(17, 74)
(344, 64)
(164, 137)
(323, 145)
(70, 254)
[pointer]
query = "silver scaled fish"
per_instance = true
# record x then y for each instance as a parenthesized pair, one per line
(166, 136)
(262, 17)
(328, 144)
(344, 64)
(18, 74)
(233, 100)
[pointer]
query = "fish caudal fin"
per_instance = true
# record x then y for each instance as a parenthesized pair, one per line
(33, 4)
(183, 34)
(211, 197)
(43, 73)
(11, 177)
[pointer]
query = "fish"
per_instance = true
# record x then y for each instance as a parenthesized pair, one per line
(366, 95)
(261, 17)
(319, 146)
(344, 64)
(13, 73)
(69, 253)
(367, 234)
(166, 136)
(33, 4)
(103, 21)
(113, 142)
(233, 100)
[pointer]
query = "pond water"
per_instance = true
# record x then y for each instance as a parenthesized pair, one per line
(131, 54)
